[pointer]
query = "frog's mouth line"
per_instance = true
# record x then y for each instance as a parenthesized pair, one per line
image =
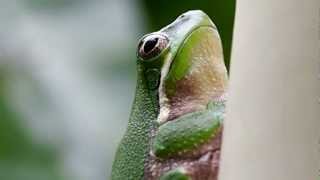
(164, 106)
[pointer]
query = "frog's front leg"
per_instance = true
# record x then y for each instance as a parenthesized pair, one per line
(188, 132)
(192, 141)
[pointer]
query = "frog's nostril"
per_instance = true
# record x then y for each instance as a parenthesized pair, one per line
(150, 44)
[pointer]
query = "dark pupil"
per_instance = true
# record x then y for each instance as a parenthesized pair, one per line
(149, 45)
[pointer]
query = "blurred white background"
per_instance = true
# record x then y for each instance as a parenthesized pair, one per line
(70, 70)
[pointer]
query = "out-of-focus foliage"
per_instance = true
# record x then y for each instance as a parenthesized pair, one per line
(160, 13)
(21, 157)
(67, 80)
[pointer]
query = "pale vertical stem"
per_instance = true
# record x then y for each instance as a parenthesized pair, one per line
(273, 112)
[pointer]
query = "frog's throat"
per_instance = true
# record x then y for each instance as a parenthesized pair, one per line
(204, 81)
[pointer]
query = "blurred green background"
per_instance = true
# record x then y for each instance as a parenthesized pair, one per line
(67, 79)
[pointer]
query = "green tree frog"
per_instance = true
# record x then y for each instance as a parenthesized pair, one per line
(175, 128)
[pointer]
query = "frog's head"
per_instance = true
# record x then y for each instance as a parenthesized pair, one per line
(184, 63)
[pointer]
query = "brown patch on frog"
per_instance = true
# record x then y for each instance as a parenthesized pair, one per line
(202, 164)
(192, 96)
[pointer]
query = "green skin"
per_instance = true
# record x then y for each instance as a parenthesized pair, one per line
(150, 131)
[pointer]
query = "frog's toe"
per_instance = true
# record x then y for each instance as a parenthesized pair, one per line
(175, 174)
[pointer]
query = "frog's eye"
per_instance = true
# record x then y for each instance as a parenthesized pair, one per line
(152, 46)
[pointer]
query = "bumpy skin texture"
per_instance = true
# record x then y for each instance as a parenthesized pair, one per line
(175, 128)
(134, 147)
